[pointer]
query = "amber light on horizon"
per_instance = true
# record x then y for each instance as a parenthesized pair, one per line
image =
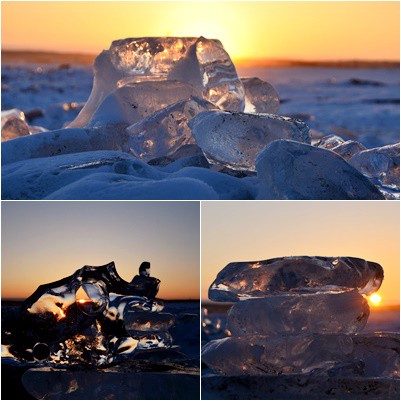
(45, 241)
(256, 30)
(241, 231)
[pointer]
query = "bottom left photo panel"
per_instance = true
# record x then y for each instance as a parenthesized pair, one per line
(100, 300)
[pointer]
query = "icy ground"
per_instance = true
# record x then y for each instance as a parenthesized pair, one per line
(356, 104)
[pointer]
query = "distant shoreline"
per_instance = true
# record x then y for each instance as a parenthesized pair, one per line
(21, 57)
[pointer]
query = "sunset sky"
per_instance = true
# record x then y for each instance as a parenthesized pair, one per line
(281, 30)
(46, 241)
(249, 231)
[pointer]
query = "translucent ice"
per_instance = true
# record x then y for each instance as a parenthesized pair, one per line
(380, 353)
(260, 96)
(382, 164)
(348, 149)
(279, 355)
(296, 274)
(165, 131)
(329, 142)
(293, 170)
(200, 62)
(147, 321)
(235, 139)
(13, 124)
(345, 312)
(138, 100)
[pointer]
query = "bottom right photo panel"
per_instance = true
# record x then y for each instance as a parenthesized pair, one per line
(300, 300)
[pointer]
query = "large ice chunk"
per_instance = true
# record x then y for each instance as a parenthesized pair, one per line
(138, 100)
(235, 139)
(260, 96)
(345, 312)
(279, 355)
(293, 170)
(165, 131)
(200, 62)
(13, 124)
(382, 164)
(297, 274)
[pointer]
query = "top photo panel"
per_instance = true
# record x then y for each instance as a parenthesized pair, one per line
(200, 100)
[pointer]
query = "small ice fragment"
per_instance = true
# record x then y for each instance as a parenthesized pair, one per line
(13, 124)
(329, 142)
(348, 149)
(382, 164)
(260, 96)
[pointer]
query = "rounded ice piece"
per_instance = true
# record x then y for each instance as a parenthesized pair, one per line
(147, 321)
(92, 298)
(260, 96)
(13, 124)
(234, 140)
(293, 170)
(166, 131)
(345, 312)
(241, 280)
(381, 163)
(293, 354)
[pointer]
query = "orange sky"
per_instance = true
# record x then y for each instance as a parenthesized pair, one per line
(46, 241)
(244, 231)
(295, 30)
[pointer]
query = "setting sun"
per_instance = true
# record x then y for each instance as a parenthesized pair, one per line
(375, 299)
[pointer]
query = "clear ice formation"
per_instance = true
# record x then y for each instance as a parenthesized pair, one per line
(348, 149)
(382, 164)
(200, 62)
(329, 142)
(234, 140)
(92, 317)
(260, 96)
(290, 354)
(138, 100)
(345, 312)
(294, 170)
(300, 274)
(166, 131)
(13, 124)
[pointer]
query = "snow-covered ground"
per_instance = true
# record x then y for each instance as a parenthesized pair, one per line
(356, 104)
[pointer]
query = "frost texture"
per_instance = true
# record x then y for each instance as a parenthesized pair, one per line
(234, 140)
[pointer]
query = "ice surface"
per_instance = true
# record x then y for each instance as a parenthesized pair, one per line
(382, 164)
(348, 149)
(345, 312)
(380, 353)
(279, 355)
(13, 125)
(60, 384)
(295, 274)
(200, 62)
(136, 101)
(260, 96)
(293, 170)
(165, 131)
(235, 139)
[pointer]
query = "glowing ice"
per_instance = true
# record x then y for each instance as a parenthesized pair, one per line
(260, 96)
(295, 274)
(13, 124)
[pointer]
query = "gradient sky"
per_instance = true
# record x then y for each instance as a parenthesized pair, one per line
(46, 241)
(245, 231)
(294, 30)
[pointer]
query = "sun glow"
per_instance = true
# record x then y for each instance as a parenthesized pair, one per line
(375, 299)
